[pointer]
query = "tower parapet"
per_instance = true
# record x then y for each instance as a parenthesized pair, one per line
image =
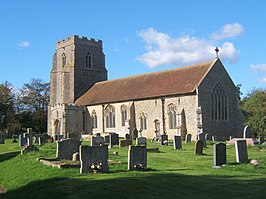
(75, 39)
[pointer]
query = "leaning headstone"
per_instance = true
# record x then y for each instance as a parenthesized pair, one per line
(164, 137)
(247, 132)
(114, 139)
(202, 137)
(137, 158)
(141, 141)
(66, 148)
(219, 155)
(2, 137)
(93, 158)
(261, 139)
(96, 141)
(123, 143)
(241, 151)
(177, 142)
(188, 138)
(198, 147)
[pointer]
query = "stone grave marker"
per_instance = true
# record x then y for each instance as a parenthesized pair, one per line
(135, 133)
(188, 138)
(141, 141)
(241, 151)
(123, 143)
(202, 137)
(98, 134)
(2, 137)
(96, 141)
(261, 139)
(66, 148)
(247, 132)
(177, 142)
(42, 139)
(21, 140)
(163, 138)
(127, 136)
(208, 137)
(214, 139)
(137, 158)
(29, 146)
(114, 139)
(219, 154)
(93, 158)
(199, 147)
(106, 139)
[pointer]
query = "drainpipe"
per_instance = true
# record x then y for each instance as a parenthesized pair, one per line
(163, 115)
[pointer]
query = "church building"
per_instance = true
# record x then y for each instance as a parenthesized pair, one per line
(191, 99)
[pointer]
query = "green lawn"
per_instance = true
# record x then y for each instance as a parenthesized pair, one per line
(171, 174)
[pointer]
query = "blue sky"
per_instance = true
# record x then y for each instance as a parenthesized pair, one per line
(139, 36)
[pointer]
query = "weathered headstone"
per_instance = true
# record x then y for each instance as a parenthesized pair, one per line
(66, 148)
(127, 136)
(114, 139)
(137, 158)
(199, 147)
(208, 137)
(106, 139)
(164, 137)
(177, 142)
(261, 139)
(29, 146)
(2, 137)
(202, 137)
(247, 132)
(98, 134)
(21, 140)
(219, 154)
(123, 143)
(135, 133)
(42, 139)
(214, 139)
(96, 141)
(93, 158)
(188, 138)
(241, 151)
(141, 141)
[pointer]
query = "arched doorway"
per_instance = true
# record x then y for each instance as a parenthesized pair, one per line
(56, 129)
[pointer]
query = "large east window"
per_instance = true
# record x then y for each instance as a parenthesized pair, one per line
(219, 103)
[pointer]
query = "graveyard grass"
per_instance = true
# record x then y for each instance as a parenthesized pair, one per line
(170, 174)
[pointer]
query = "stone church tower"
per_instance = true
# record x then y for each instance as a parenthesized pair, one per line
(78, 63)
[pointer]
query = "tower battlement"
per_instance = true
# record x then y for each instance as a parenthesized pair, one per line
(75, 39)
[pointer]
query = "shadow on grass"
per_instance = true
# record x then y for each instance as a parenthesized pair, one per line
(7, 156)
(140, 185)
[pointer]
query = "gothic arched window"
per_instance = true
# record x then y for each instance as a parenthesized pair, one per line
(63, 60)
(219, 104)
(88, 60)
(110, 116)
(94, 119)
(172, 116)
(143, 121)
(123, 114)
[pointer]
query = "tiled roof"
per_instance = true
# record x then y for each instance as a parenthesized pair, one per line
(157, 84)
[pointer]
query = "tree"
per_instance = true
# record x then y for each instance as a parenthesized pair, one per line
(254, 110)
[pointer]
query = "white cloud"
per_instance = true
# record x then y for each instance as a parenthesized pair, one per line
(228, 31)
(23, 44)
(165, 50)
(263, 80)
(258, 67)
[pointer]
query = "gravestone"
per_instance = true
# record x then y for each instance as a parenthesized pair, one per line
(177, 142)
(93, 158)
(98, 134)
(127, 136)
(135, 133)
(137, 158)
(21, 140)
(199, 147)
(114, 139)
(208, 137)
(261, 139)
(106, 139)
(214, 139)
(141, 141)
(66, 148)
(96, 141)
(2, 137)
(164, 137)
(188, 138)
(219, 154)
(247, 132)
(202, 137)
(123, 143)
(29, 146)
(42, 139)
(241, 151)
